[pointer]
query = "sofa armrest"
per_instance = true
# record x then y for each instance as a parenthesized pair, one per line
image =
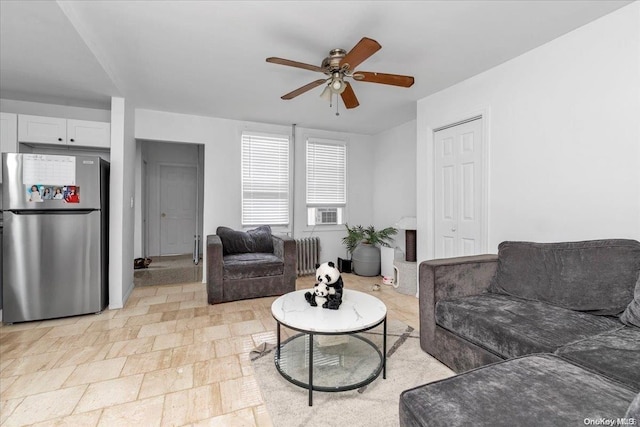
(450, 278)
(284, 247)
(215, 272)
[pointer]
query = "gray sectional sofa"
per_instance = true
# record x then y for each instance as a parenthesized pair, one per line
(548, 332)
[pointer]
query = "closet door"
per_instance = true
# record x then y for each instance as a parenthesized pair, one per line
(458, 190)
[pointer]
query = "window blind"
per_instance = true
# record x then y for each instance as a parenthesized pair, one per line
(265, 179)
(326, 173)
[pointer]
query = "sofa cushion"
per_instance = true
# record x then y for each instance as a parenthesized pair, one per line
(242, 266)
(511, 327)
(596, 276)
(634, 409)
(241, 242)
(631, 315)
(539, 390)
(614, 354)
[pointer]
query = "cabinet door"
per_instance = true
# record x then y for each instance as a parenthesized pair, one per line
(8, 135)
(88, 134)
(43, 130)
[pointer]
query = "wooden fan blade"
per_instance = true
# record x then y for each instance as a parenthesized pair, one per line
(385, 79)
(349, 97)
(296, 64)
(360, 52)
(303, 89)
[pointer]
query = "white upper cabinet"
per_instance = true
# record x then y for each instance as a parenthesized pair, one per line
(8, 135)
(52, 130)
(42, 130)
(88, 134)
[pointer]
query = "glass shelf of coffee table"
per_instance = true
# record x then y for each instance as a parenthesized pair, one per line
(341, 363)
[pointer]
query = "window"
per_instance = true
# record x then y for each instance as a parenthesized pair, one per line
(326, 181)
(265, 179)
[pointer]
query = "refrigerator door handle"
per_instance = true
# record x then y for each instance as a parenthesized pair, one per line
(52, 212)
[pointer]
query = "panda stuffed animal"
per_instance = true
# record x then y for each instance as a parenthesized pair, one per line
(328, 275)
(319, 295)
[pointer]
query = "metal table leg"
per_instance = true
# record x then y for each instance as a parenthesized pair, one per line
(278, 345)
(384, 349)
(310, 369)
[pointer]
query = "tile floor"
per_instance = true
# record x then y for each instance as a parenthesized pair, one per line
(167, 358)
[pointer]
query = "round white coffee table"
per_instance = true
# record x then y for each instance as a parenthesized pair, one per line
(328, 342)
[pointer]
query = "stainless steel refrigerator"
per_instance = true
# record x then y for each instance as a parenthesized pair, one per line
(55, 241)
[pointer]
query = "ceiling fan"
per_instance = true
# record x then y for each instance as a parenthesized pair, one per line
(340, 65)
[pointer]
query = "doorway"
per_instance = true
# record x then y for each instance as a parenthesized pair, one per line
(174, 185)
(459, 193)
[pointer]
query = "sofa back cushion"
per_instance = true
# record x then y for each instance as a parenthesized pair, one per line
(240, 242)
(598, 276)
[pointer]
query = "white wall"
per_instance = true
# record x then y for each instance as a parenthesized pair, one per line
(138, 209)
(360, 175)
(394, 180)
(121, 216)
(222, 180)
(563, 137)
(128, 201)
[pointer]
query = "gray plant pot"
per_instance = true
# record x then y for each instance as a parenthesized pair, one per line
(366, 260)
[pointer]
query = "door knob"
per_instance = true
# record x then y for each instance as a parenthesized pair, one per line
(163, 215)
(452, 228)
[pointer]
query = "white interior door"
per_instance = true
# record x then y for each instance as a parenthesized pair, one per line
(458, 190)
(178, 188)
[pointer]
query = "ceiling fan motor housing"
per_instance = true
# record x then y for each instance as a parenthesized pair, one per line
(332, 62)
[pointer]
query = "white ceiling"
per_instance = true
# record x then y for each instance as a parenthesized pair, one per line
(208, 57)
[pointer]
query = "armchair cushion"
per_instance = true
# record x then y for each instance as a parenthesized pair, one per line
(243, 266)
(240, 242)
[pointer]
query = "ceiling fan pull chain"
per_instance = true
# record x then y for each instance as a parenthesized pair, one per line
(337, 105)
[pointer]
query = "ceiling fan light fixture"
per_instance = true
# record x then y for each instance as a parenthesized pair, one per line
(326, 93)
(337, 84)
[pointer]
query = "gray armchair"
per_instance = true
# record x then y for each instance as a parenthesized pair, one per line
(252, 264)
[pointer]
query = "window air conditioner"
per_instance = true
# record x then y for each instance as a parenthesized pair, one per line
(326, 215)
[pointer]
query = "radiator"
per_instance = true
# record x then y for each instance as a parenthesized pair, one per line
(308, 249)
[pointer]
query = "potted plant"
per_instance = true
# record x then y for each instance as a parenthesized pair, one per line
(363, 245)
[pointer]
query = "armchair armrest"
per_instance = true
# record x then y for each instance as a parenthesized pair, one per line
(214, 268)
(284, 247)
(450, 278)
